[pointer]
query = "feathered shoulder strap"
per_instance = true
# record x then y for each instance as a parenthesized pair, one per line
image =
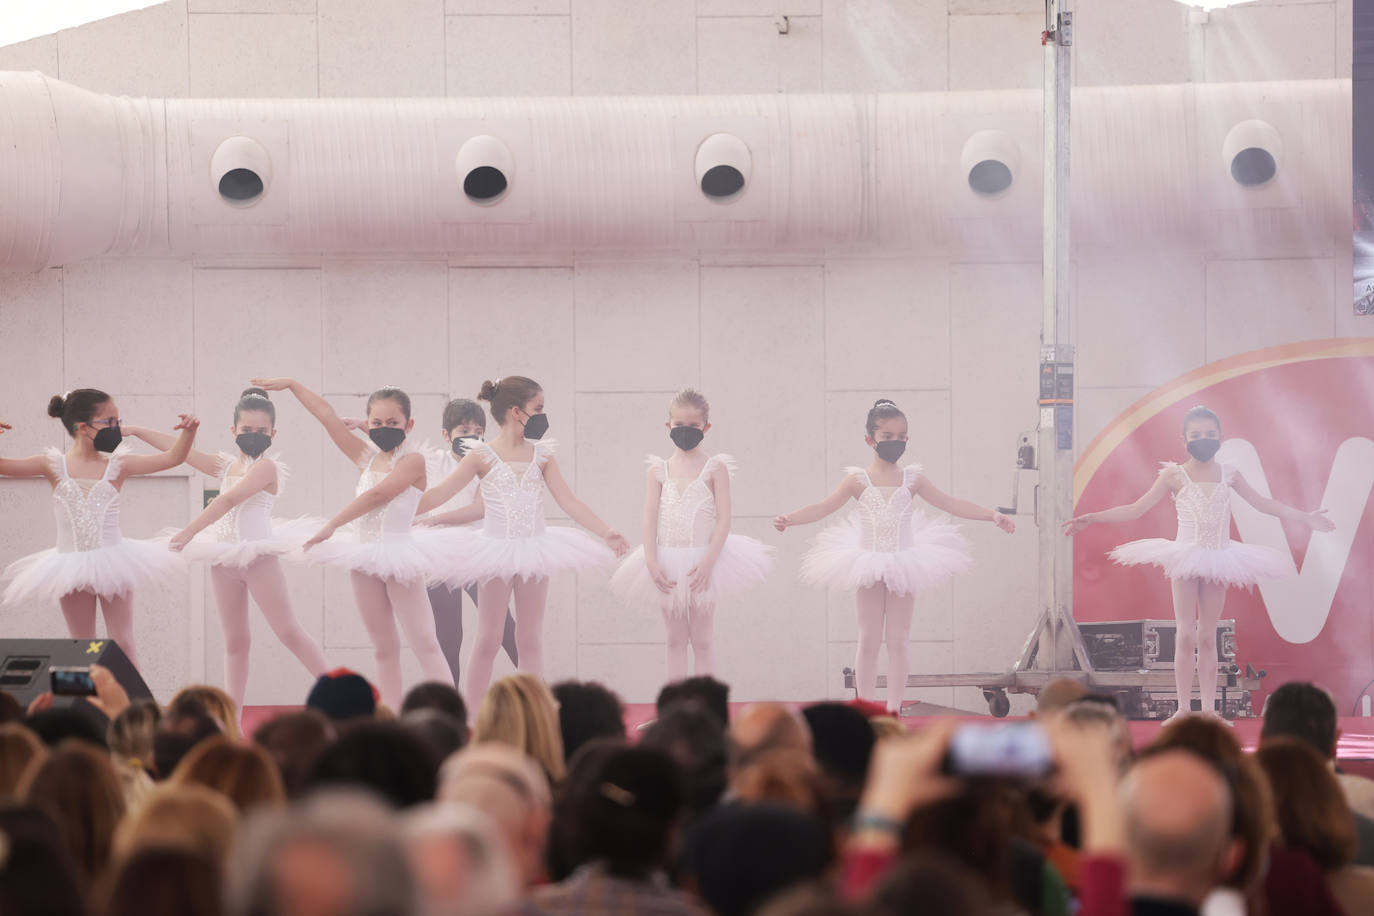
(723, 460)
(116, 460)
(910, 474)
(543, 450)
(659, 466)
(57, 460)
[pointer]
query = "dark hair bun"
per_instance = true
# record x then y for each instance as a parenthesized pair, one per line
(55, 406)
(883, 402)
(256, 392)
(487, 391)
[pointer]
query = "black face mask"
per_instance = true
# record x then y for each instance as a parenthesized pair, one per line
(253, 444)
(1203, 449)
(890, 450)
(463, 443)
(108, 439)
(536, 426)
(387, 437)
(686, 437)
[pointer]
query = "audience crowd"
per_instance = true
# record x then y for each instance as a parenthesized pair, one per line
(545, 805)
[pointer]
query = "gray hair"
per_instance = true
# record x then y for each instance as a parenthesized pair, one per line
(355, 828)
(491, 885)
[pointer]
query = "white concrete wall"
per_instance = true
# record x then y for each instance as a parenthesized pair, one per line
(954, 343)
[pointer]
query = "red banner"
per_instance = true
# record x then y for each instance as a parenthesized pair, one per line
(1298, 422)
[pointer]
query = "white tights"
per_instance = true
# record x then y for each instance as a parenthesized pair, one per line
(1197, 608)
(493, 597)
(384, 602)
(884, 617)
(264, 581)
(79, 610)
(697, 629)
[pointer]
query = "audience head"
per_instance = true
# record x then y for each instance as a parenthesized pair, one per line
(294, 740)
(19, 748)
(521, 712)
(703, 692)
(842, 740)
(461, 861)
(695, 738)
(625, 808)
(436, 695)
(131, 733)
(764, 727)
(10, 710)
(1178, 810)
(977, 826)
(510, 789)
(739, 856)
(1058, 694)
(1309, 804)
(182, 727)
(336, 854)
(1301, 710)
(53, 726)
(242, 773)
(437, 730)
(343, 695)
(379, 756)
(587, 710)
(217, 704)
(885, 727)
(190, 816)
(36, 872)
(77, 787)
(930, 883)
(783, 777)
(163, 881)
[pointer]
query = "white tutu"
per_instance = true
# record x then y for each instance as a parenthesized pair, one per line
(416, 556)
(1235, 564)
(286, 540)
(478, 557)
(836, 560)
(743, 562)
(115, 569)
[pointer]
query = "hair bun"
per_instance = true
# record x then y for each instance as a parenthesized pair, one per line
(56, 406)
(487, 391)
(884, 402)
(256, 392)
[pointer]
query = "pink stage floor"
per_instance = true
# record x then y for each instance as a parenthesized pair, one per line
(1356, 750)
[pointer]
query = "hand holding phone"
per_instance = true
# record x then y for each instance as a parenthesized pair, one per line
(71, 681)
(1019, 750)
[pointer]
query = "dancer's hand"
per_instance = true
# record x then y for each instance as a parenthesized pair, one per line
(323, 534)
(357, 424)
(782, 522)
(4, 426)
(179, 541)
(272, 384)
(1003, 522)
(110, 697)
(660, 578)
(1318, 521)
(616, 541)
(1077, 524)
(699, 577)
(187, 421)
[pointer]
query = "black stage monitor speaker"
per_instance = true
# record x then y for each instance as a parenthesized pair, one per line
(24, 665)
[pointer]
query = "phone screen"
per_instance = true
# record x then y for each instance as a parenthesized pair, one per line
(1015, 749)
(72, 682)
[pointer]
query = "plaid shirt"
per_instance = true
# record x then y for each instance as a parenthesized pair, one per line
(590, 890)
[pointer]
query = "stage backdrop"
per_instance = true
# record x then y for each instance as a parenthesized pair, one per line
(1298, 422)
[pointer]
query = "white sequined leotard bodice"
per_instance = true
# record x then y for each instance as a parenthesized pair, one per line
(1204, 509)
(687, 506)
(86, 520)
(514, 499)
(885, 513)
(389, 522)
(250, 520)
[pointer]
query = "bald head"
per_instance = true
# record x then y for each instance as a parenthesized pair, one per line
(1178, 824)
(765, 727)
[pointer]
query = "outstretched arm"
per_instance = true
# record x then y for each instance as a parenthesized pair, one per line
(1315, 519)
(1126, 513)
(201, 461)
(354, 449)
(138, 465)
(472, 512)
(960, 508)
(846, 491)
(259, 477)
(451, 485)
(408, 471)
(578, 511)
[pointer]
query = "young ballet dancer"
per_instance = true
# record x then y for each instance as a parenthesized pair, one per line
(465, 422)
(1202, 561)
(245, 543)
(389, 563)
(93, 562)
(689, 558)
(514, 553)
(887, 551)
